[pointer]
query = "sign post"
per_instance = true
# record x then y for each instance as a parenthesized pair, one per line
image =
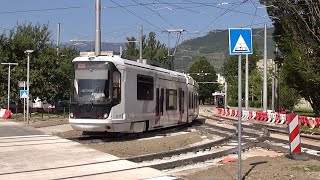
(24, 96)
(23, 85)
(240, 42)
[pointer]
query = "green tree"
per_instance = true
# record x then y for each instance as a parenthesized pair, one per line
(49, 73)
(131, 52)
(202, 71)
(230, 72)
(298, 37)
(152, 49)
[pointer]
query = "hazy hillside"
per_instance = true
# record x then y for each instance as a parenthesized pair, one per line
(89, 46)
(215, 46)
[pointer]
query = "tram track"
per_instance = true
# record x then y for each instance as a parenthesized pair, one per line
(274, 129)
(175, 159)
(272, 143)
(101, 137)
(202, 153)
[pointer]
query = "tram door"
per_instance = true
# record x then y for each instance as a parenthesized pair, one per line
(181, 106)
(159, 105)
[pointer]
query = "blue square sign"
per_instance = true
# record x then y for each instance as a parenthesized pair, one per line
(23, 93)
(240, 41)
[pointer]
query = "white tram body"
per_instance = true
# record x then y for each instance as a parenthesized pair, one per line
(112, 94)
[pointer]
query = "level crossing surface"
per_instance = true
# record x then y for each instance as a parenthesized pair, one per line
(27, 153)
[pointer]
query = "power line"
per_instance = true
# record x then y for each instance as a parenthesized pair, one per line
(190, 10)
(136, 15)
(225, 12)
(155, 11)
(219, 7)
(40, 10)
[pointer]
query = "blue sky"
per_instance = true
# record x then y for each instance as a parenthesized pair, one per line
(197, 17)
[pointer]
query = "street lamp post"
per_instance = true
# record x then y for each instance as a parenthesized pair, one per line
(28, 52)
(9, 64)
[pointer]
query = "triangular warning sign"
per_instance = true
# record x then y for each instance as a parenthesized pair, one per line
(241, 45)
(24, 95)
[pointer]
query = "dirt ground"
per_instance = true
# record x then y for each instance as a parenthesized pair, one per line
(148, 146)
(45, 122)
(253, 168)
(275, 168)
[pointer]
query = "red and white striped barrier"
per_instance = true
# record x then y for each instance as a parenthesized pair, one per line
(294, 133)
(312, 122)
(5, 114)
(269, 116)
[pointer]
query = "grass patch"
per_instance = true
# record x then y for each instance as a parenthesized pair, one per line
(307, 129)
(307, 168)
(304, 112)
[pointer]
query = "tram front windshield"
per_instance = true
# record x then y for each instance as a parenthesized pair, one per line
(91, 83)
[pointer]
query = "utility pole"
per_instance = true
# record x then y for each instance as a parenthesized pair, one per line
(98, 30)
(140, 43)
(120, 51)
(273, 86)
(28, 52)
(58, 38)
(276, 83)
(247, 84)
(265, 97)
(9, 64)
(171, 56)
(225, 95)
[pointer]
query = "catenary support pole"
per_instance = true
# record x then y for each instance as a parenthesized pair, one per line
(58, 38)
(98, 30)
(273, 86)
(9, 81)
(265, 96)
(28, 84)
(140, 43)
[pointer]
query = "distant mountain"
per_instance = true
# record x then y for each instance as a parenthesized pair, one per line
(215, 46)
(85, 46)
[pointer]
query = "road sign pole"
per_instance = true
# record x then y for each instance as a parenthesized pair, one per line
(240, 42)
(239, 117)
(8, 107)
(247, 84)
(225, 95)
(24, 103)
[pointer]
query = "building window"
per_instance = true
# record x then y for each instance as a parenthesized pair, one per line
(144, 87)
(171, 99)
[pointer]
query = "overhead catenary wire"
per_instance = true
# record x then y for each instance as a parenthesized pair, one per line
(222, 14)
(136, 15)
(41, 10)
(155, 11)
(220, 7)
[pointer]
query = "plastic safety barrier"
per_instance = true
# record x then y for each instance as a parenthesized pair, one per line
(5, 114)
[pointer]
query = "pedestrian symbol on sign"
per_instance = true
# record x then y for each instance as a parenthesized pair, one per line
(23, 93)
(241, 45)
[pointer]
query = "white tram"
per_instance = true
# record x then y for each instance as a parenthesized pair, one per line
(111, 94)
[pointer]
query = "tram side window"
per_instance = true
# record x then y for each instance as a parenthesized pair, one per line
(144, 87)
(171, 99)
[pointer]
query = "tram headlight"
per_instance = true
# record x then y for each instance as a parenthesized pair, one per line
(105, 115)
(71, 115)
